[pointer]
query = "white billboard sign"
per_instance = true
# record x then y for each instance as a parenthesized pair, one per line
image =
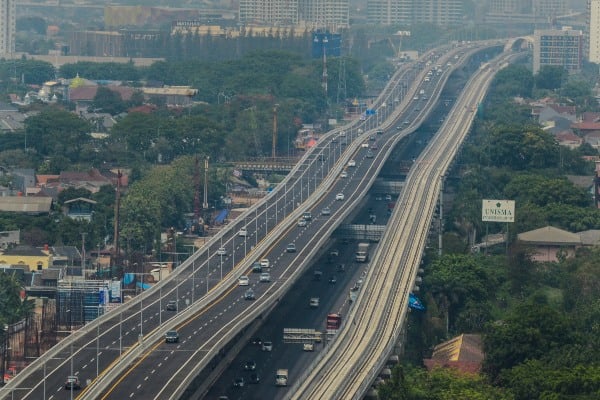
(498, 211)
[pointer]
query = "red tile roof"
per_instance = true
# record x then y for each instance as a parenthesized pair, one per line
(87, 93)
(587, 126)
(464, 352)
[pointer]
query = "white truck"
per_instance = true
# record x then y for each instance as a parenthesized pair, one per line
(281, 377)
(362, 252)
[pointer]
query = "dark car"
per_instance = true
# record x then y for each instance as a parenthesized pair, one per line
(172, 337)
(254, 378)
(256, 341)
(256, 267)
(249, 295)
(333, 280)
(72, 383)
(238, 382)
(172, 305)
(291, 248)
(250, 365)
(317, 275)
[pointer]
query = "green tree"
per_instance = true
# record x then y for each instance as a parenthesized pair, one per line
(12, 308)
(108, 101)
(55, 132)
(535, 379)
(529, 332)
(456, 280)
(34, 24)
(550, 77)
(439, 384)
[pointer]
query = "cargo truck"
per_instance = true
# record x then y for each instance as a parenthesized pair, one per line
(362, 252)
(281, 377)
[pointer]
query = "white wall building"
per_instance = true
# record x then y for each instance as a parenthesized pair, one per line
(594, 31)
(7, 27)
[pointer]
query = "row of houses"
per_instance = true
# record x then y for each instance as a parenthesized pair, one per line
(570, 129)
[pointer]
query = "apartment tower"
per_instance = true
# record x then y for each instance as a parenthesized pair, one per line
(7, 27)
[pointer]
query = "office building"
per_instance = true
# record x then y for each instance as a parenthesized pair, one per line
(562, 47)
(330, 14)
(532, 12)
(7, 27)
(407, 12)
(594, 31)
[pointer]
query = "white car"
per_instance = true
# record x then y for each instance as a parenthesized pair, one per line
(308, 347)
(264, 263)
(243, 280)
(302, 222)
(339, 196)
(221, 251)
(352, 163)
(267, 346)
(365, 145)
(243, 232)
(265, 277)
(344, 174)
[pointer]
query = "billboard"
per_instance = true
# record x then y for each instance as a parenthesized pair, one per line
(498, 211)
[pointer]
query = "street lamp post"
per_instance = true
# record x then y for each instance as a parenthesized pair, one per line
(120, 332)
(71, 352)
(97, 345)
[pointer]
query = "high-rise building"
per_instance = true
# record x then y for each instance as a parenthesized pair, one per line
(562, 47)
(406, 12)
(330, 14)
(593, 40)
(7, 27)
(269, 12)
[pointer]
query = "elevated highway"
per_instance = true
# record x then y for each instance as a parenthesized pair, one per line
(348, 368)
(122, 354)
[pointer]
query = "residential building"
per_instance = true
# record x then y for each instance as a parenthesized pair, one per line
(463, 352)
(562, 47)
(550, 243)
(269, 12)
(539, 12)
(8, 23)
(27, 256)
(406, 12)
(331, 14)
(594, 31)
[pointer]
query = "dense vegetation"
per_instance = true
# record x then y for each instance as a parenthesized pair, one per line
(232, 120)
(540, 321)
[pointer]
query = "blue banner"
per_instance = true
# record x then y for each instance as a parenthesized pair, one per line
(415, 303)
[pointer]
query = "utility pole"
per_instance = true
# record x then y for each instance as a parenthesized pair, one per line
(83, 254)
(205, 203)
(274, 148)
(117, 253)
(196, 194)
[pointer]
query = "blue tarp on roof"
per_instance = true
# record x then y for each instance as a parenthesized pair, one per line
(221, 217)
